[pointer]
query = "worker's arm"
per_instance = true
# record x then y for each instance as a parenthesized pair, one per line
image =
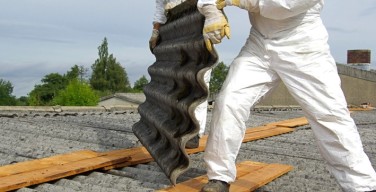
(159, 19)
(200, 3)
(159, 14)
(282, 9)
(272, 9)
(216, 25)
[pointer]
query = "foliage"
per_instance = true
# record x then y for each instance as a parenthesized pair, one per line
(51, 85)
(83, 73)
(77, 72)
(72, 74)
(76, 94)
(218, 76)
(139, 84)
(6, 97)
(108, 77)
(107, 73)
(23, 101)
(43, 94)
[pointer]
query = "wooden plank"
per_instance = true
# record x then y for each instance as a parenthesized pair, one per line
(141, 155)
(245, 167)
(264, 134)
(26, 166)
(362, 109)
(297, 123)
(290, 122)
(197, 183)
(260, 128)
(138, 155)
(259, 178)
(250, 176)
(25, 179)
(250, 135)
(194, 184)
(201, 146)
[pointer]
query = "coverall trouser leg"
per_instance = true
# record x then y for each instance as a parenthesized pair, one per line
(312, 79)
(202, 109)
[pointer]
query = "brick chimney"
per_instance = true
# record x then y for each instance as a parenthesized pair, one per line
(360, 58)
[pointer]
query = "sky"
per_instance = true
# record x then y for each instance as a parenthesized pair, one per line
(39, 37)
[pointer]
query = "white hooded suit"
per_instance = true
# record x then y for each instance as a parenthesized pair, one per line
(288, 43)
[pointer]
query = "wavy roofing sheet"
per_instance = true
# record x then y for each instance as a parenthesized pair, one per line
(177, 86)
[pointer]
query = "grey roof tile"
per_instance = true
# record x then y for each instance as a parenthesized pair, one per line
(296, 149)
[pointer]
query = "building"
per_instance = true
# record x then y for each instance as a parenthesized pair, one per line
(124, 99)
(358, 85)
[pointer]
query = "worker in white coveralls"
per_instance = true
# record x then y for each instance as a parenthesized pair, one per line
(288, 43)
(162, 6)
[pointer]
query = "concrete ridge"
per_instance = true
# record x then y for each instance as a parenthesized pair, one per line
(58, 109)
(117, 108)
(356, 73)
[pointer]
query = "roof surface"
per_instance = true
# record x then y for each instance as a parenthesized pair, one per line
(31, 135)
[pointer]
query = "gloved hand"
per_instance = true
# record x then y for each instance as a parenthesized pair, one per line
(153, 39)
(249, 5)
(215, 26)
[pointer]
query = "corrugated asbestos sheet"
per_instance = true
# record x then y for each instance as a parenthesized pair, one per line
(27, 135)
(176, 88)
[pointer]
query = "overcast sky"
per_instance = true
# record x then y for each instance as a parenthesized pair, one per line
(39, 37)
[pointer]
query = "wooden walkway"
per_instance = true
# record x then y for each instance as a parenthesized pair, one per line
(250, 176)
(38, 171)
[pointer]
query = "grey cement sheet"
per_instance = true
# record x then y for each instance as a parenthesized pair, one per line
(30, 135)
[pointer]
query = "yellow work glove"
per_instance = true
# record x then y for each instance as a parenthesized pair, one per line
(249, 5)
(153, 39)
(215, 26)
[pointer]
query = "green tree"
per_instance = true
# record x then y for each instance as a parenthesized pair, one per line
(23, 101)
(76, 94)
(43, 94)
(107, 73)
(83, 73)
(74, 73)
(77, 72)
(6, 97)
(139, 84)
(218, 76)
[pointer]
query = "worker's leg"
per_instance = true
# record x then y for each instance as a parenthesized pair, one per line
(247, 81)
(313, 80)
(202, 109)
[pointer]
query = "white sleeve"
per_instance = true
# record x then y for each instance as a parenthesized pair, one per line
(200, 3)
(159, 15)
(282, 9)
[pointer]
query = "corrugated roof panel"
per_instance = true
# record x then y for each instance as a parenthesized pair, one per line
(177, 86)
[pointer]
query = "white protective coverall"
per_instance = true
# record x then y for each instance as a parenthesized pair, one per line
(160, 17)
(288, 43)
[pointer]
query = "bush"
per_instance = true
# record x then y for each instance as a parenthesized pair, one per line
(76, 94)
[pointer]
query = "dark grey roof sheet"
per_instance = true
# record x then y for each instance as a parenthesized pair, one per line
(177, 86)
